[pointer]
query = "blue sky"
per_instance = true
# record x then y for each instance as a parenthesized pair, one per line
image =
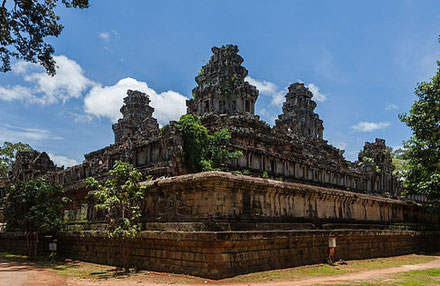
(362, 60)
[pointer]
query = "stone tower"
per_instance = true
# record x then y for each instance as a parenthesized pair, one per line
(222, 88)
(137, 117)
(298, 113)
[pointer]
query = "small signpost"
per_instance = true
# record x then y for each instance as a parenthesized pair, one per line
(53, 250)
(331, 249)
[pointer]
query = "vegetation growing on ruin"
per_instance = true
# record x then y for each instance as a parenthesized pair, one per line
(24, 25)
(120, 198)
(35, 207)
(422, 150)
(7, 155)
(203, 151)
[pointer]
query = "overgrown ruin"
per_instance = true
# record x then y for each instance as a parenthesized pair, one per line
(317, 193)
(294, 149)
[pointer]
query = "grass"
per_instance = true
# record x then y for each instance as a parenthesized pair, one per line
(80, 269)
(429, 277)
(321, 270)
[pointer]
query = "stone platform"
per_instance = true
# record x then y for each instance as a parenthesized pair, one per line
(217, 225)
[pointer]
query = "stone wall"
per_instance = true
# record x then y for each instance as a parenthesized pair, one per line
(220, 195)
(218, 225)
(220, 200)
(225, 254)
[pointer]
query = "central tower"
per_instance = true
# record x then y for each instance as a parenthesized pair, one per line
(222, 88)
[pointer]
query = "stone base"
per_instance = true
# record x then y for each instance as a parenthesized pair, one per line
(219, 255)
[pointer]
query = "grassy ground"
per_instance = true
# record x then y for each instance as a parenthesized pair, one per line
(320, 270)
(429, 277)
(79, 269)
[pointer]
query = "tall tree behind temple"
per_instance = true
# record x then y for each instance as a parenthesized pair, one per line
(423, 148)
(7, 155)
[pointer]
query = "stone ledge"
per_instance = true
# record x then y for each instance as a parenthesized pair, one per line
(267, 183)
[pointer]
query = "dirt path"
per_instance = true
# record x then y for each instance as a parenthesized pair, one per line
(23, 274)
(359, 276)
(344, 278)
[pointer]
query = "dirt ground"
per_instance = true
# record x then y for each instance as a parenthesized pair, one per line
(14, 273)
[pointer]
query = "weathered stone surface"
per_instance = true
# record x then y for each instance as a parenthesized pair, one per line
(32, 164)
(195, 223)
(224, 254)
(222, 88)
(137, 118)
(298, 113)
(293, 150)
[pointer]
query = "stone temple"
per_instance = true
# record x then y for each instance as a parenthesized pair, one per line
(218, 224)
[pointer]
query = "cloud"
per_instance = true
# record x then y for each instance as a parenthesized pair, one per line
(105, 36)
(16, 92)
(340, 145)
(391, 106)
(15, 133)
(278, 97)
(264, 87)
(69, 82)
(364, 126)
(78, 117)
(316, 94)
(269, 88)
(105, 101)
(63, 160)
(102, 101)
(268, 115)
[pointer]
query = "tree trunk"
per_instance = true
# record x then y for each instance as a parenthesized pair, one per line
(29, 246)
(35, 245)
(124, 256)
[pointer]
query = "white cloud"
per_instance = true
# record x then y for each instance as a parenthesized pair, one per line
(264, 87)
(316, 94)
(15, 133)
(102, 101)
(79, 117)
(105, 36)
(63, 160)
(391, 106)
(16, 92)
(278, 97)
(69, 82)
(364, 126)
(340, 145)
(269, 115)
(269, 88)
(106, 101)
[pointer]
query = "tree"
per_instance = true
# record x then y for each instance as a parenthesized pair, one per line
(422, 153)
(24, 25)
(202, 151)
(120, 198)
(399, 163)
(35, 207)
(7, 155)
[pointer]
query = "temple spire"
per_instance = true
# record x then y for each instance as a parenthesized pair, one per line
(221, 85)
(298, 115)
(137, 117)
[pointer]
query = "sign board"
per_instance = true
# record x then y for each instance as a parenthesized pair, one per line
(332, 242)
(53, 246)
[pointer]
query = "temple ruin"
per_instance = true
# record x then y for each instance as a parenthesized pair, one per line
(314, 193)
(293, 149)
